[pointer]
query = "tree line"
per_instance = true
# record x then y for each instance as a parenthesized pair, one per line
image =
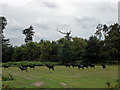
(67, 49)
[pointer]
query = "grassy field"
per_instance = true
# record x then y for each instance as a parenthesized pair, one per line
(62, 77)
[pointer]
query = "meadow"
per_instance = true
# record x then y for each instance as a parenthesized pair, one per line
(62, 77)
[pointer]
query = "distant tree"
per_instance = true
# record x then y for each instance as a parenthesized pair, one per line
(98, 32)
(7, 53)
(78, 46)
(111, 43)
(3, 23)
(93, 50)
(46, 50)
(7, 50)
(28, 33)
(17, 55)
(67, 37)
(65, 52)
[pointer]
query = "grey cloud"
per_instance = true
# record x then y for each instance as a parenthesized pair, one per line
(46, 18)
(50, 4)
(107, 7)
(87, 22)
(47, 3)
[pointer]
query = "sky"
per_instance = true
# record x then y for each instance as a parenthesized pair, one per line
(79, 16)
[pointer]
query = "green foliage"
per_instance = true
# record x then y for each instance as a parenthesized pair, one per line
(65, 52)
(78, 46)
(110, 49)
(113, 84)
(69, 49)
(7, 53)
(37, 63)
(7, 86)
(78, 62)
(7, 78)
(93, 50)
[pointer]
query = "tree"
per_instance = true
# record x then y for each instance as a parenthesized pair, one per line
(7, 53)
(3, 23)
(6, 50)
(111, 44)
(65, 52)
(28, 33)
(67, 37)
(93, 50)
(46, 50)
(78, 46)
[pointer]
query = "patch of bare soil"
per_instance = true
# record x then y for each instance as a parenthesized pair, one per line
(28, 78)
(49, 78)
(63, 84)
(35, 76)
(38, 84)
(15, 74)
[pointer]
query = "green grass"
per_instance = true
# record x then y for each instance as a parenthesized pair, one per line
(62, 77)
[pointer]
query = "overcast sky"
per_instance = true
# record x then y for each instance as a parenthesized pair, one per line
(79, 16)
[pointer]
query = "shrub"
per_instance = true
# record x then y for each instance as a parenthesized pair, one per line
(7, 86)
(78, 62)
(36, 63)
(7, 78)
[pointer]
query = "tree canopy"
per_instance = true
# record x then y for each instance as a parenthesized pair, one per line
(68, 49)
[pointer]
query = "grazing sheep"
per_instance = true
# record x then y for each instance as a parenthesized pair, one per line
(32, 66)
(74, 65)
(80, 66)
(84, 65)
(23, 68)
(67, 65)
(6, 66)
(103, 66)
(92, 65)
(50, 66)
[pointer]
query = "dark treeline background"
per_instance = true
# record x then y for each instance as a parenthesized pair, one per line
(70, 49)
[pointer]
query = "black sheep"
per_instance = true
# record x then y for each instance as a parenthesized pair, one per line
(103, 66)
(92, 65)
(67, 65)
(23, 68)
(50, 66)
(32, 66)
(80, 66)
(6, 66)
(84, 65)
(74, 65)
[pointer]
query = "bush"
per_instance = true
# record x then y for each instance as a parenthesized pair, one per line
(7, 86)
(7, 78)
(79, 62)
(36, 63)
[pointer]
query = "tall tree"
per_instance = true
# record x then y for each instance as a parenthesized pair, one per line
(67, 37)
(3, 23)
(5, 46)
(93, 50)
(28, 33)
(111, 47)
(65, 52)
(78, 46)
